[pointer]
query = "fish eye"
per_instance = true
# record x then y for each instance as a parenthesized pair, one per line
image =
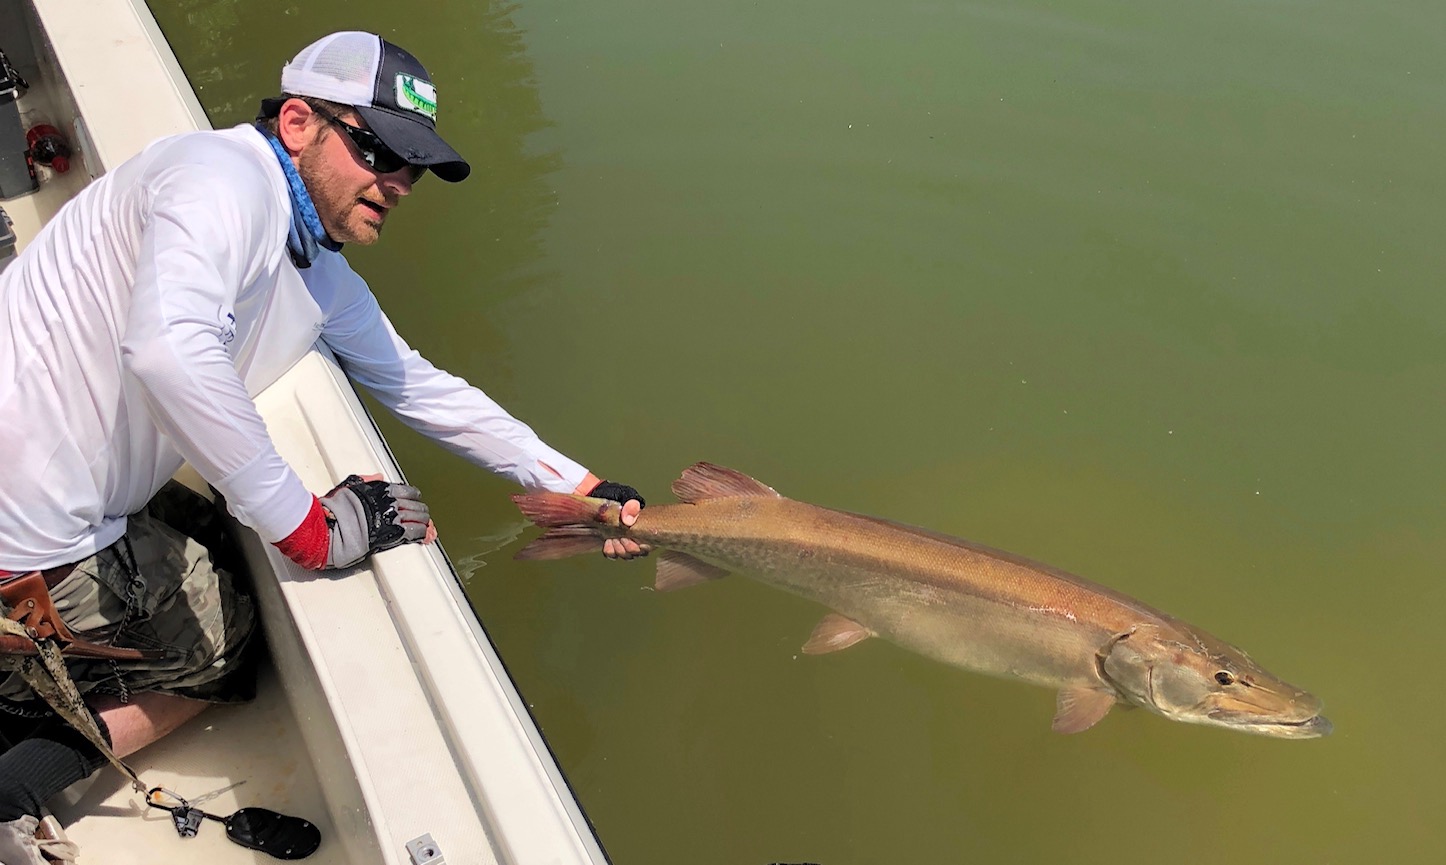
(1225, 677)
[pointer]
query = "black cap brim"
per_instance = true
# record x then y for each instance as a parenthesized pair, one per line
(415, 141)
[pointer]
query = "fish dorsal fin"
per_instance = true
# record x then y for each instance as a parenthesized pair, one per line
(679, 570)
(1079, 707)
(835, 633)
(702, 481)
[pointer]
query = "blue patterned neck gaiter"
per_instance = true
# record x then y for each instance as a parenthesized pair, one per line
(306, 238)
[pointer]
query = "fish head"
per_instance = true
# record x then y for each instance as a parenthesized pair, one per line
(1189, 676)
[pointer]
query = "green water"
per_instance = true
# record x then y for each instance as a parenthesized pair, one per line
(1151, 292)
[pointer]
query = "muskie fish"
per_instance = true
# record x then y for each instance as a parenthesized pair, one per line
(946, 598)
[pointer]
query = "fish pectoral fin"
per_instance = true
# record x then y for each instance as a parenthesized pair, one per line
(834, 633)
(562, 542)
(1080, 707)
(679, 570)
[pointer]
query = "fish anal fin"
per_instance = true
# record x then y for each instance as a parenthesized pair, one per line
(835, 633)
(679, 570)
(560, 543)
(703, 481)
(1080, 707)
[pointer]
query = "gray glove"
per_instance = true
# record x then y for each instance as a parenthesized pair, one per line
(366, 517)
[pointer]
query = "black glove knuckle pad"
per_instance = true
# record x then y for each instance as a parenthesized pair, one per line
(384, 529)
(616, 492)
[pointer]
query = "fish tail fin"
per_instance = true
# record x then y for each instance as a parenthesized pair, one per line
(551, 510)
(575, 524)
(560, 543)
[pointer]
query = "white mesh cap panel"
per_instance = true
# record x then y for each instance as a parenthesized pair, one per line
(341, 67)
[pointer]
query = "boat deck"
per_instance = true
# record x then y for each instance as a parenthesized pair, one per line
(228, 758)
(41, 104)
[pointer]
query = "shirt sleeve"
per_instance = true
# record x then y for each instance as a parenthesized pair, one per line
(204, 238)
(441, 406)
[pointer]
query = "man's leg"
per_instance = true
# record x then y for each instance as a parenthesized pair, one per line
(186, 607)
(46, 762)
(51, 758)
(56, 756)
(147, 717)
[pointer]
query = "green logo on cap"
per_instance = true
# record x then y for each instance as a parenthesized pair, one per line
(418, 95)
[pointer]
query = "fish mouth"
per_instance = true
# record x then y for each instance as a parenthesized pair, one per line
(1313, 727)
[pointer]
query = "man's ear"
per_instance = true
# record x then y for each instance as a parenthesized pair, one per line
(296, 125)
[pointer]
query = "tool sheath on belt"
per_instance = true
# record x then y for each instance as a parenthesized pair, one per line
(26, 600)
(33, 640)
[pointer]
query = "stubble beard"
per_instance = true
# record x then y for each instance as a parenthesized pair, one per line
(335, 203)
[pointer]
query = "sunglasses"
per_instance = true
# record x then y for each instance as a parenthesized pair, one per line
(379, 157)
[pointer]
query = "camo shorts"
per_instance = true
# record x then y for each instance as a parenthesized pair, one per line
(175, 598)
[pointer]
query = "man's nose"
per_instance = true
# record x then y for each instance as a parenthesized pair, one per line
(400, 182)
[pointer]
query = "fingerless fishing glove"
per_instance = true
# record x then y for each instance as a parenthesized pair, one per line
(365, 517)
(616, 492)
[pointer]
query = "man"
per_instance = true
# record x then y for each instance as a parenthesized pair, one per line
(134, 332)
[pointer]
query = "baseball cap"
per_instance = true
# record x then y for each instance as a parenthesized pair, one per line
(387, 86)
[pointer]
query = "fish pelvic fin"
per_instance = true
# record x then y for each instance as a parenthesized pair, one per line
(835, 633)
(679, 570)
(560, 543)
(560, 509)
(703, 481)
(1080, 707)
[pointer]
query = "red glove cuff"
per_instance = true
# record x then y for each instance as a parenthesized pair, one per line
(309, 544)
(588, 484)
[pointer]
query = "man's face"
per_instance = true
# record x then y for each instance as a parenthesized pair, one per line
(352, 199)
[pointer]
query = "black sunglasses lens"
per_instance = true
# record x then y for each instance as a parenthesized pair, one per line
(380, 157)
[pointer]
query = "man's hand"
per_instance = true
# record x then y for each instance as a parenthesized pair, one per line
(622, 548)
(368, 516)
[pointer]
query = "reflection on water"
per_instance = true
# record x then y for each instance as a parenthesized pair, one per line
(483, 547)
(1148, 292)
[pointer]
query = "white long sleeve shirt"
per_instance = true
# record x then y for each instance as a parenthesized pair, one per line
(136, 328)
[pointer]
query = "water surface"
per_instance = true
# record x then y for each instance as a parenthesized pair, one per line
(1151, 293)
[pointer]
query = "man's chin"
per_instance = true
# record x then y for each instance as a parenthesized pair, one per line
(365, 233)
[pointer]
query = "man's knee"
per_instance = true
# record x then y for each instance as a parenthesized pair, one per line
(55, 756)
(146, 718)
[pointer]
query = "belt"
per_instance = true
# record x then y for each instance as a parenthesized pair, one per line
(28, 602)
(52, 576)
